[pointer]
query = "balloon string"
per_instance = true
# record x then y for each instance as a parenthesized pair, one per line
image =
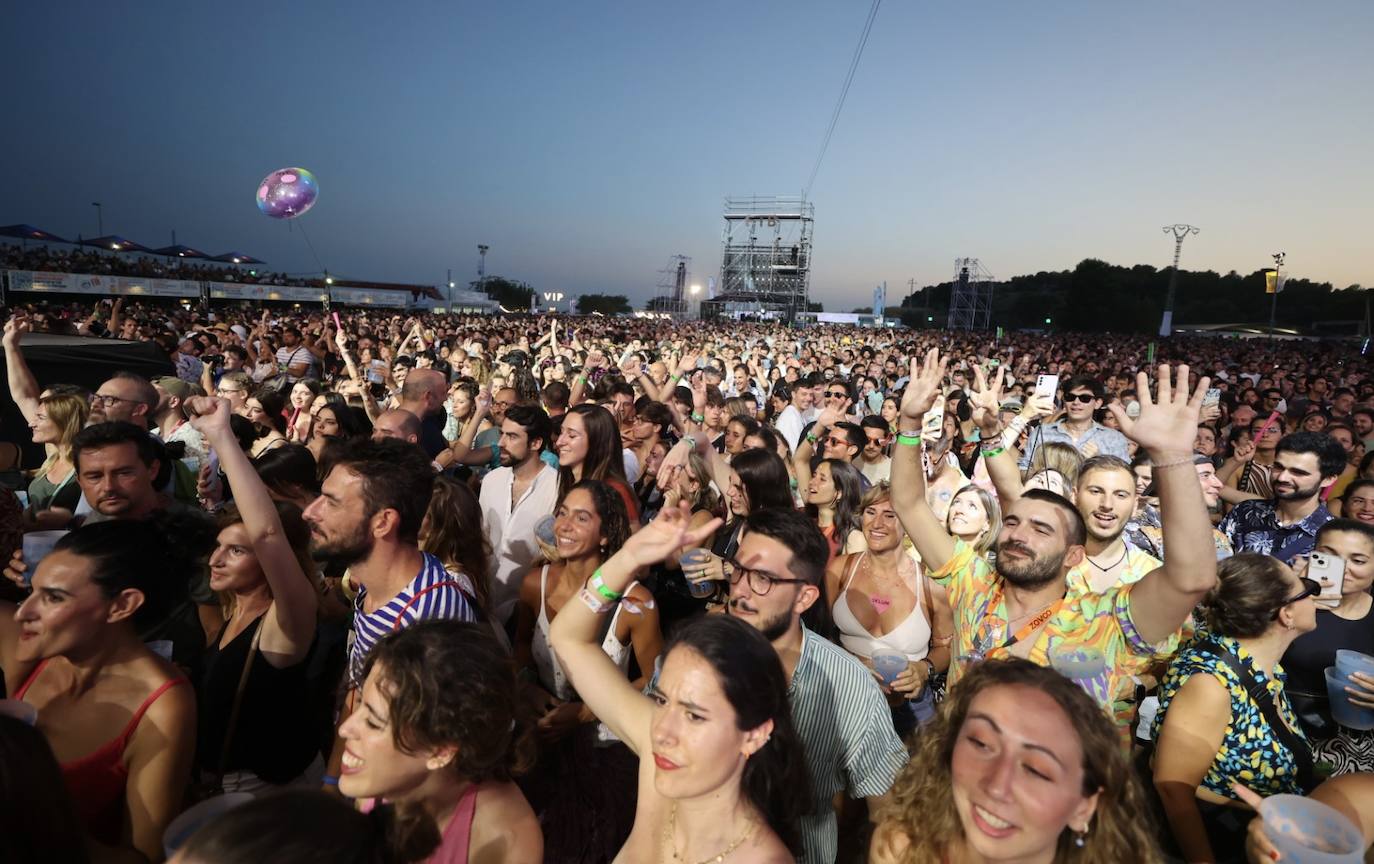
(312, 247)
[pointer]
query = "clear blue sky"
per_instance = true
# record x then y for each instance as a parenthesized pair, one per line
(587, 142)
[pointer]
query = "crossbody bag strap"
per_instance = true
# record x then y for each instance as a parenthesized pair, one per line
(238, 697)
(1259, 693)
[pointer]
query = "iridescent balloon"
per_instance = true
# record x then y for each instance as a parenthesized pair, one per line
(287, 193)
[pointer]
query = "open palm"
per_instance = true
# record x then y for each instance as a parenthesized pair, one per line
(986, 400)
(1168, 421)
(924, 385)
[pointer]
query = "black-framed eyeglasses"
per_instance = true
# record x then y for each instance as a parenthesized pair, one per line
(1085, 398)
(107, 401)
(760, 581)
(1310, 588)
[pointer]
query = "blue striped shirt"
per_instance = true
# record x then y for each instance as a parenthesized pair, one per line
(845, 727)
(431, 594)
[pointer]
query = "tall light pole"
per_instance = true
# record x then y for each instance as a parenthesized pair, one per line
(99, 219)
(1166, 324)
(482, 261)
(1278, 283)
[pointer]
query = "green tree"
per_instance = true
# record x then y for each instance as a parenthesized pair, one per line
(508, 292)
(606, 304)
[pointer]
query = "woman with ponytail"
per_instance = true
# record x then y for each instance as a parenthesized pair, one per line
(436, 737)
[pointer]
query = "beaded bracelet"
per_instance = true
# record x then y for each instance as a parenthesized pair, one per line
(1175, 464)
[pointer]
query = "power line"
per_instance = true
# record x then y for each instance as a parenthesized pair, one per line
(844, 91)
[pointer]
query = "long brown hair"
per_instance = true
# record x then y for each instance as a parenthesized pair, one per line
(455, 534)
(605, 459)
(921, 806)
(68, 412)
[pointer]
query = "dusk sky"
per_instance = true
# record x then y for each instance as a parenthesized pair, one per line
(587, 142)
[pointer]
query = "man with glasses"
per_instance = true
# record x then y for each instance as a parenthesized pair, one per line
(124, 397)
(874, 463)
(840, 713)
(1082, 399)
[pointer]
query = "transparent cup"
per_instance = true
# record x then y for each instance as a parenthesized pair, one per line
(889, 665)
(693, 563)
(1343, 711)
(1309, 832)
(546, 539)
(1349, 662)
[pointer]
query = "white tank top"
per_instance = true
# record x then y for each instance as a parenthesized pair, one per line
(551, 673)
(911, 637)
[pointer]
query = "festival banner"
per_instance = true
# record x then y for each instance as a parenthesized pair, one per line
(29, 280)
(368, 297)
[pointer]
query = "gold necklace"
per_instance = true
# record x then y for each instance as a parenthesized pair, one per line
(671, 828)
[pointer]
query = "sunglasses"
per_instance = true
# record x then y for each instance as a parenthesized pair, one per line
(1310, 588)
(1085, 398)
(837, 394)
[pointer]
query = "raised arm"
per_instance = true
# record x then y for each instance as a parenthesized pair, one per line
(460, 451)
(986, 401)
(576, 632)
(369, 404)
(908, 475)
(289, 627)
(806, 447)
(1166, 429)
(23, 386)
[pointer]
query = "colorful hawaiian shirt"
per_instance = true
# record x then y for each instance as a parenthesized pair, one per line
(1089, 637)
(1253, 526)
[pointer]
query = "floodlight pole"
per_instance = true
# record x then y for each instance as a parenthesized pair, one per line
(1274, 299)
(99, 219)
(1166, 324)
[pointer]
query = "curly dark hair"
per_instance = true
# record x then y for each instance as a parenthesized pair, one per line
(610, 507)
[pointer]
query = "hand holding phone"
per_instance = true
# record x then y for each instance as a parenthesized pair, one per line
(1047, 385)
(1329, 572)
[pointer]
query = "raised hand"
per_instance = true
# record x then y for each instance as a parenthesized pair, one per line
(670, 531)
(1167, 424)
(986, 401)
(15, 328)
(827, 418)
(1244, 451)
(341, 340)
(923, 388)
(209, 415)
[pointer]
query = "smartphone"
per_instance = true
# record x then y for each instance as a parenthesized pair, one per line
(933, 424)
(1211, 398)
(1329, 571)
(1047, 385)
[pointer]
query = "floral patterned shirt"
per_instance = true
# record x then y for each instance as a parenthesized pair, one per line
(1089, 637)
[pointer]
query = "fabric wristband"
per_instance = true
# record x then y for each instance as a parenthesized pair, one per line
(996, 451)
(909, 439)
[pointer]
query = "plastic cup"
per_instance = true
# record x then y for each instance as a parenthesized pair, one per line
(37, 545)
(889, 666)
(1343, 711)
(19, 710)
(1349, 662)
(691, 561)
(207, 811)
(547, 540)
(1309, 832)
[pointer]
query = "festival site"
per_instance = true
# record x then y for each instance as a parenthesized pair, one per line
(708, 435)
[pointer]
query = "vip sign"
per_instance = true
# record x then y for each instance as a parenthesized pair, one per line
(553, 297)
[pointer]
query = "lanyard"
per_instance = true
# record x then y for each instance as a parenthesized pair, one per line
(1034, 624)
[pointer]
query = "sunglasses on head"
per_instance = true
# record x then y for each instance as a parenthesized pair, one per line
(1310, 588)
(1085, 398)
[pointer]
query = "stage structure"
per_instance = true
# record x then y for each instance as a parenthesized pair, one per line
(765, 268)
(672, 287)
(970, 301)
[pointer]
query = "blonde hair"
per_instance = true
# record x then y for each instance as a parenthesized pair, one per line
(921, 807)
(988, 538)
(68, 412)
(1056, 456)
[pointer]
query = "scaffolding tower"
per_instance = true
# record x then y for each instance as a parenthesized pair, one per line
(765, 267)
(970, 301)
(672, 287)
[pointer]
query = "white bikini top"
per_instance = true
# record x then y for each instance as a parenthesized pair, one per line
(911, 637)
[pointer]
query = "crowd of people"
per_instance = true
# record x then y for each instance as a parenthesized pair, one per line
(43, 258)
(521, 589)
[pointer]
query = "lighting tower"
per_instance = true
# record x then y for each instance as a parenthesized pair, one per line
(482, 262)
(1166, 324)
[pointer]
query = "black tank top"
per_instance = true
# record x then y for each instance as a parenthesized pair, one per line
(275, 737)
(1306, 659)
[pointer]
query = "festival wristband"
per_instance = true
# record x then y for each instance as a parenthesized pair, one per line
(909, 439)
(592, 602)
(811, 436)
(602, 588)
(698, 418)
(996, 451)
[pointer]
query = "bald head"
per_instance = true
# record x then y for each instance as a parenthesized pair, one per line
(397, 423)
(423, 393)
